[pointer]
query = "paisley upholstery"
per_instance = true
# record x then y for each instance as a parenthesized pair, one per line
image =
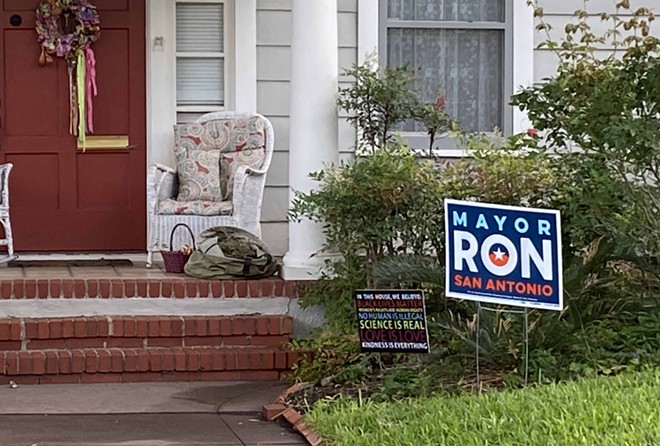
(229, 163)
(199, 175)
(209, 153)
(223, 135)
(174, 207)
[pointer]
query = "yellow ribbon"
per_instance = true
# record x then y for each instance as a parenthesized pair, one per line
(81, 84)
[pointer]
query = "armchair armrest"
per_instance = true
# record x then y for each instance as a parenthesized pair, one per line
(162, 184)
(247, 197)
(5, 169)
(164, 168)
(253, 171)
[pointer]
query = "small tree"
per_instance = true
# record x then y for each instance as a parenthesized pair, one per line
(608, 111)
(435, 118)
(380, 99)
(377, 102)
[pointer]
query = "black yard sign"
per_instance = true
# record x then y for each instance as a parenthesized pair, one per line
(392, 321)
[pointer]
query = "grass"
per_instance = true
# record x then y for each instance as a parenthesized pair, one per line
(623, 410)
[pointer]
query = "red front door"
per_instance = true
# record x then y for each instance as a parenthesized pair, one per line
(61, 198)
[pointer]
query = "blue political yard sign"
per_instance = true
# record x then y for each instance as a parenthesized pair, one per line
(503, 255)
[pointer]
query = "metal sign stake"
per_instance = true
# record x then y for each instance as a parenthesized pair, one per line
(478, 337)
(525, 313)
(526, 317)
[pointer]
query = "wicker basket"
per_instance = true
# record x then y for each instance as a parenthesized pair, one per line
(175, 261)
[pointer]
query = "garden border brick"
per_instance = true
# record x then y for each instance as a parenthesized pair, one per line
(272, 412)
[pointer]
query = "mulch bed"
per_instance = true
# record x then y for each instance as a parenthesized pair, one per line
(303, 400)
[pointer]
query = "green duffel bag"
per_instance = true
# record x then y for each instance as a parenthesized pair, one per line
(227, 253)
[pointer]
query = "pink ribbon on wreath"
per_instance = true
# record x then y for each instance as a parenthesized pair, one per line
(91, 89)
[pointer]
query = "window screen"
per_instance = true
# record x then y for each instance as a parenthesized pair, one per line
(200, 57)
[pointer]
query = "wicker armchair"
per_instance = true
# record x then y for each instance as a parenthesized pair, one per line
(8, 241)
(244, 145)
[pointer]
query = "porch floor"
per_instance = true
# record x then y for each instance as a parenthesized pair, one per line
(138, 270)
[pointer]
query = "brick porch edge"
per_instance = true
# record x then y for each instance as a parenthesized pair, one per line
(126, 288)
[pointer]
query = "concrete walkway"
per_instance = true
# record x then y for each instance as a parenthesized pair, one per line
(153, 414)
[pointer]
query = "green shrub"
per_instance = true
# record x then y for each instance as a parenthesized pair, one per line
(601, 116)
(383, 204)
(600, 282)
(334, 357)
(504, 171)
(606, 412)
(384, 215)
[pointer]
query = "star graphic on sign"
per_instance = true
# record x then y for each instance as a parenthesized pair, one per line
(499, 257)
(499, 254)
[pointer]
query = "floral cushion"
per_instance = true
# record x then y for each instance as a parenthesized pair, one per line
(209, 153)
(252, 157)
(199, 175)
(174, 207)
(230, 135)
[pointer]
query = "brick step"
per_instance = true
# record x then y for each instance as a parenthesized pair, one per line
(121, 365)
(26, 334)
(114, 349)
(131, 287)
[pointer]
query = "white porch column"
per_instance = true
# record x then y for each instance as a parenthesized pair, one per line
(313, 121)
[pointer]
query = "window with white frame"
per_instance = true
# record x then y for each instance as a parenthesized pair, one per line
(201, 57)
(458, 49)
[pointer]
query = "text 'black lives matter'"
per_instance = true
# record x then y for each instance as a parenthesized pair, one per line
(392, 321)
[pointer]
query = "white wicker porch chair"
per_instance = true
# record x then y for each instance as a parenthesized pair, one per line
(242, 208)
(8, 241)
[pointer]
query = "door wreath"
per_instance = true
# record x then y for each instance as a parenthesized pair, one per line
(67, 29)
